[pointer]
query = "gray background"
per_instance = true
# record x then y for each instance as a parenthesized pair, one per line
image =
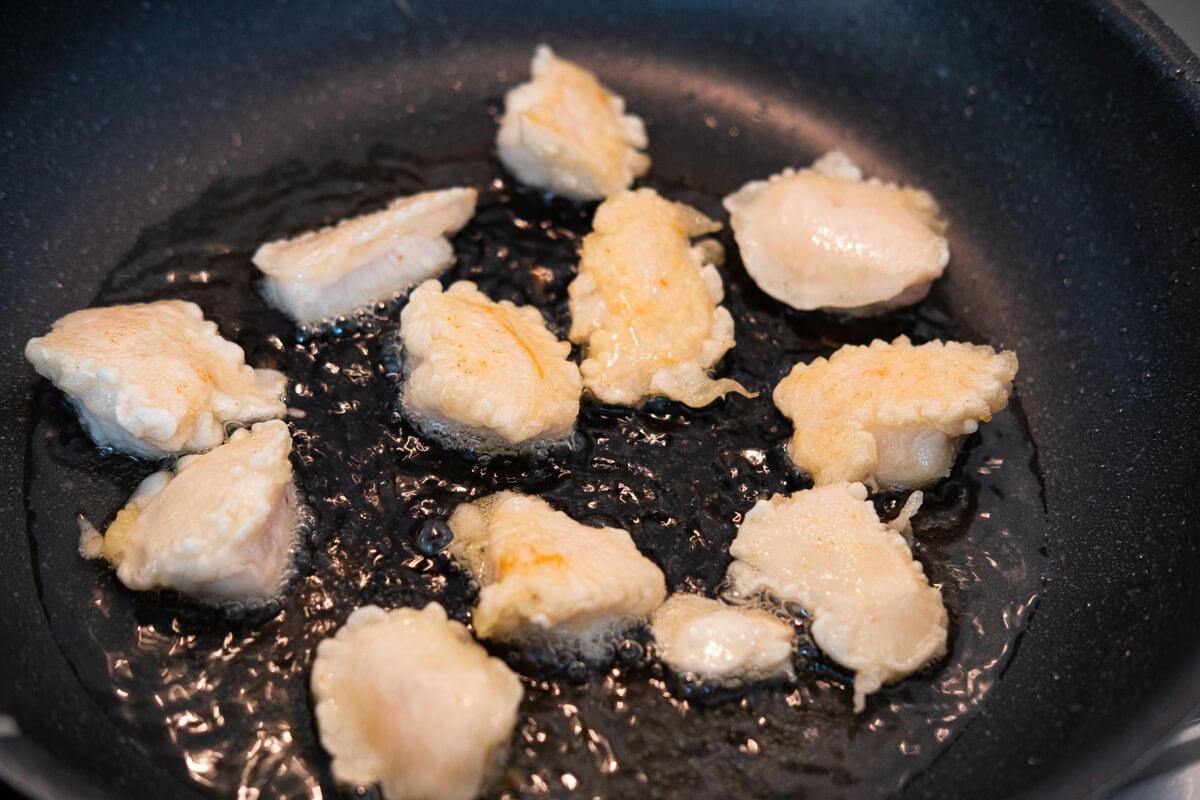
(1183, 16)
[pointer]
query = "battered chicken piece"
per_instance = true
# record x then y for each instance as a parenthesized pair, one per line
(565, 132)
(489, 376)
(407, 699)
(891, 415)
(824, 238)
(333, 271)
(154, 379)
(549, 579)
(871, 608)
(714, 641)
(220, 526)
(645, 305)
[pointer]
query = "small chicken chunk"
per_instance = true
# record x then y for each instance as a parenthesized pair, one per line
(823, 238)
(871, 608)
(714, 641)
(406, 699)
(565, 132)
(485, 375)
(549, 579)
(154, 379)
(220, 526)
(645, 306)
(891, 415)
(333, 271)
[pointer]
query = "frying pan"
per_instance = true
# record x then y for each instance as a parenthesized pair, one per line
(1062, 138)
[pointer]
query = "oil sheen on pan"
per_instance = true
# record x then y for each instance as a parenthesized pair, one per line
(221, 698)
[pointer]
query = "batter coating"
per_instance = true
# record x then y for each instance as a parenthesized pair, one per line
(221, 525)
(407, 699)
(824, 238)
(154, 379)
(547, 578)
(715, 641)
(645, 306)
(485, 375)
(363, 260)
(565, 132)
(891, 415)
(871, 607)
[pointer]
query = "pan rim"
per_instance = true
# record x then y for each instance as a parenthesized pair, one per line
(1104, 768)
(1111, 766)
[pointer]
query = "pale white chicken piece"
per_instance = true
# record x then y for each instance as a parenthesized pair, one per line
(871, 608)
(546, 578)
(823, 238)
(154, 379)
(220, 526)
(482, 374)
(715, 641)
(565, 132)
(406, 699)
(645, 306)
(363, 260)
(891, 415)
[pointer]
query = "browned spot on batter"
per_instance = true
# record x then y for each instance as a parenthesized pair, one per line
(499, 317)
(510, 562)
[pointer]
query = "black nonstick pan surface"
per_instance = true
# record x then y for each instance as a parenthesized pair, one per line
(1062, 140)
